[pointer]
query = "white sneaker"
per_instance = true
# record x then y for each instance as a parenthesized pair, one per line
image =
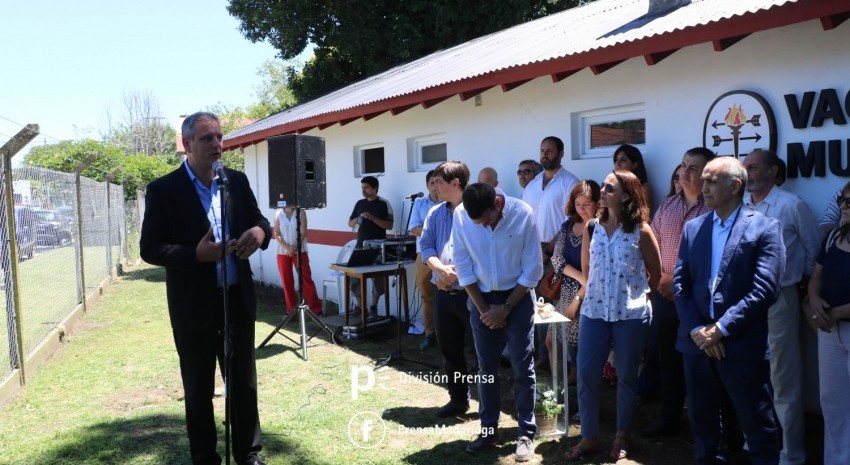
(524, 449)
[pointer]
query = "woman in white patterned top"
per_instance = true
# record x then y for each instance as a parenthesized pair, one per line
(616, 309)
(284, 232)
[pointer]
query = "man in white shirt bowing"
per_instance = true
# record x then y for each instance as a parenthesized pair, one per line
(497, 260)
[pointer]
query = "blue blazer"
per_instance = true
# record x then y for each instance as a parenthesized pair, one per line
(748, 282)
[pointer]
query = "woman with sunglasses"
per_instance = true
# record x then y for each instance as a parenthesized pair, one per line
(621, 262)
(829, 314)
(675, 185)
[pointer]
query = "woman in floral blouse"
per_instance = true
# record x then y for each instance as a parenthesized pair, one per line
(621, 263)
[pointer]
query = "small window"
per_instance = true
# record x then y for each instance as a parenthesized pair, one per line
(426, 152)
(369, 159)
(600, 132)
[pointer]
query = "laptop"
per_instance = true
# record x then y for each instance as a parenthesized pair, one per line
(361, 257)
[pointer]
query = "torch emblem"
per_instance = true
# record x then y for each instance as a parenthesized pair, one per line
(734, 126)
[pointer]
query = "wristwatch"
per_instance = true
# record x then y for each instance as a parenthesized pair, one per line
(508, 307)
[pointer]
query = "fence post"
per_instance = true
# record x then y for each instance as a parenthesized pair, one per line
(81, 259)
(125, 248)
(109, 179)
(13, 304)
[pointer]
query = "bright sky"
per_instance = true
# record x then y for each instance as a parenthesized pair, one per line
(64, 62)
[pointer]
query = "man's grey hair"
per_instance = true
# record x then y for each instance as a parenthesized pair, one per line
(536, 167)
(733, 169)
(188, 128)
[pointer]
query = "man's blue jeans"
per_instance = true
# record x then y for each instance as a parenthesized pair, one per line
(518, 333)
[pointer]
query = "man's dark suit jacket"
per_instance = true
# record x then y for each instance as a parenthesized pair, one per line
(174, 223)
(747, 282)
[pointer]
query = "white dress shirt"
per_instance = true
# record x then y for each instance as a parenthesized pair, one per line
(720, 231)
(800, 231)
(548, 203)
(498, 259)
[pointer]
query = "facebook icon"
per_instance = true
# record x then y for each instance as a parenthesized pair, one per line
(366, 430)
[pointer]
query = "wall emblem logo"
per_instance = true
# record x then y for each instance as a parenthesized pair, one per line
(739, 122)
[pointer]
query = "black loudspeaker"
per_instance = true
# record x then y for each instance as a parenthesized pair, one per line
(297, 171)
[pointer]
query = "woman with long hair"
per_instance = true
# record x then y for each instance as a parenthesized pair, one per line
(566, 260)
(621, 262)
(628, 157)
(675, 185)
(829, 314)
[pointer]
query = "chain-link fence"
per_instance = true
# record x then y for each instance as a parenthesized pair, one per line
(68, 239)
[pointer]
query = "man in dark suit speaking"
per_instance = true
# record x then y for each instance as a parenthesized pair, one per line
(727, 276)
(183, 231)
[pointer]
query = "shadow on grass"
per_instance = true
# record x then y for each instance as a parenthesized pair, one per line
(275, 348)
(150, 274)
(454, 452)
(153, 439)
(419, 417)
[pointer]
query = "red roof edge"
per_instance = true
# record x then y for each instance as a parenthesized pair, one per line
(721, 34)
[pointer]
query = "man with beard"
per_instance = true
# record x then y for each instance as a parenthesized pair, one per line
(802, 239)
(547, 193)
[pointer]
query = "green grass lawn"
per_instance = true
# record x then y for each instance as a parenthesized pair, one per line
(112, 395)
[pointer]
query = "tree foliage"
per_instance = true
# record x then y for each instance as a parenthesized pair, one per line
(355, 40)
(136, 169)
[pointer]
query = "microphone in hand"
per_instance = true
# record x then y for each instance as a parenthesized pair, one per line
(218, 168)
(414, 196)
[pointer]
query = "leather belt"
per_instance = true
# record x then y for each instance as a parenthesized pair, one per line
(454, 292)
(503, 294)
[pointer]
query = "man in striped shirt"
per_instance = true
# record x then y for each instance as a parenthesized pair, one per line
(667, 226)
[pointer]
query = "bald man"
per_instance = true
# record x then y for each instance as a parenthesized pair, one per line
(489, 176)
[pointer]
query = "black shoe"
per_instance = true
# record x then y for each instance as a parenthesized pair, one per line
(452, 409)
(662, 432)
(483, 441)
(373, 312)
(427, 342)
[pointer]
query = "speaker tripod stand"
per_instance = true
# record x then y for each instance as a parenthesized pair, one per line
(398, 356)
(301, 310)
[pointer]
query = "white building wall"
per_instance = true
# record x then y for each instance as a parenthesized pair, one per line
(508, 126)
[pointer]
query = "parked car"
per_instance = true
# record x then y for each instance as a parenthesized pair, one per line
(66, 216)
(50, 230)
(25, 232)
